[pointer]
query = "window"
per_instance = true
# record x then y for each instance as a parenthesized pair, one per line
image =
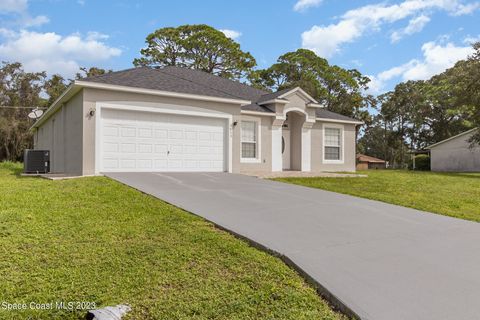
(333, 144)
(249, 140)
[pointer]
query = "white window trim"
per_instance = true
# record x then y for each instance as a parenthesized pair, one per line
(258, 158)
(342, 143)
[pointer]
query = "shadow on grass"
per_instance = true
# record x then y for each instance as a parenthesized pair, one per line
(470, 175)
(15, 168)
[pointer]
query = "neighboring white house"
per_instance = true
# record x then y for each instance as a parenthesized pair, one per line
(455, 154)
(176, 119)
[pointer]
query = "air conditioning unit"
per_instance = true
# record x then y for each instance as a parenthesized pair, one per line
(36, 161)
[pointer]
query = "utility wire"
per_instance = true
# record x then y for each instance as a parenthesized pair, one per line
(18, 107)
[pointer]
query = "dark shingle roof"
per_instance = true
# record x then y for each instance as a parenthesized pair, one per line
(185, 80)
(273, 95)
(256, 107)
(180, 80)
(324, 113)
(231, 87)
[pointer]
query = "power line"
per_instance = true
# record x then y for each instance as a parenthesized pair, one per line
(19, 107)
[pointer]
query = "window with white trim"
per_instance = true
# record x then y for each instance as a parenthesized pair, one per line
(333, 144)
(249, 140)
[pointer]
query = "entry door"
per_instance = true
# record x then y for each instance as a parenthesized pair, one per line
(145, 141)
(286, 149)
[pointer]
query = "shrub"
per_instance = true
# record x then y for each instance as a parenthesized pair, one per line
(422, 162)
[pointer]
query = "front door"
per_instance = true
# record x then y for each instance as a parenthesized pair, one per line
(286, 148)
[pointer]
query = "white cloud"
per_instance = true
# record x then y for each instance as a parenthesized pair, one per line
(81, 2)
(54, 53)
(17, 6)
(464, 9)
(328, 40)
(18, 9)
(94, 36)
(28, 21)
(302, 5)
(470, 40)
(375, 86)
(232, 34)
(414, 25)
(436, 59)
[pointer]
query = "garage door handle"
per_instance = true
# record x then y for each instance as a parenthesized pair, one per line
(168, 152)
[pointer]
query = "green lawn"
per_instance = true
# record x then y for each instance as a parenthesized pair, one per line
(451, 194)
(95, 240)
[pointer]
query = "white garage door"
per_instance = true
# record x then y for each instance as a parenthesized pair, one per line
(144, 141)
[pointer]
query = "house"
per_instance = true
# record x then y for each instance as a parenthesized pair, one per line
(455, 154)
(365, 162)
(178, 119)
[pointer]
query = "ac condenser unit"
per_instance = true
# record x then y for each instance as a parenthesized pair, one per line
(36, 161)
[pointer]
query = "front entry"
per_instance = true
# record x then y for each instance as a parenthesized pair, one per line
(286, 148)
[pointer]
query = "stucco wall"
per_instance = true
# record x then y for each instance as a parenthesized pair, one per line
(70, 132)
(455, 156)
(296, 122)
(349, 148)
(265, 150)
(92, 96)
(61, 133)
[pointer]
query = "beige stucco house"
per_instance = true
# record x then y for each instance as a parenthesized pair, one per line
(177, 119)
(455, 154)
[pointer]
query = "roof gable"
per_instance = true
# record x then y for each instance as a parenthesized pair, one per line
(451, 138)
(283, 94)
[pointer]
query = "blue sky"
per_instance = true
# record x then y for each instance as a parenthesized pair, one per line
(390, 41)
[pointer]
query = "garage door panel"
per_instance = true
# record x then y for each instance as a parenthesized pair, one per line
(127, 164)
(141, 141)
(127, 147)
(145, 133)
(144, 148)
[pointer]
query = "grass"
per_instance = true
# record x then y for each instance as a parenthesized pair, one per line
(95, 240)
(451, 194)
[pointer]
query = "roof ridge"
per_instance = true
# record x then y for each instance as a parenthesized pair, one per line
(109, 73)
(206, 86)
(213, 75)
(196, 83)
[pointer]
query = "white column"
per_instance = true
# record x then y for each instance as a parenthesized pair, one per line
(277, 158)
(307, 146)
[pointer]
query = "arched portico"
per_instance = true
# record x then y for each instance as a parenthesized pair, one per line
(291, 140)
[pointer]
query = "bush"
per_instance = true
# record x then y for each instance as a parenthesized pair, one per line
(422, 162)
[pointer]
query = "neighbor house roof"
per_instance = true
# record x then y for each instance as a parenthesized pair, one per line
(195, 83)
(365, 158)
(451, 138)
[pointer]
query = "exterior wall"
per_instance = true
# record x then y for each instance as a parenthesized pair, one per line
(362, 166)
(455, 156)
(70, 132)
(265, 152)
(62, 135)
(349, 148)
(296, 121)
(376, 165)
(92, 96)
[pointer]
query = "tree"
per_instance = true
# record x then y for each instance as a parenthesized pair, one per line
(198, 47)
(90, 72)
(465, 80)
(54, 87)
(340, 90)
(19, 94)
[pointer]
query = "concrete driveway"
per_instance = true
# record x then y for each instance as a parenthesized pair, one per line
(381, 261)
